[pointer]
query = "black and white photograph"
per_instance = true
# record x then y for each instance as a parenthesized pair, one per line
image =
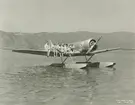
(67, 52)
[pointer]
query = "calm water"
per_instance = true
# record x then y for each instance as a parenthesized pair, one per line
(27, 80)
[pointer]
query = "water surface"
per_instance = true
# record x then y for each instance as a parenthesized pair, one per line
(27, 80)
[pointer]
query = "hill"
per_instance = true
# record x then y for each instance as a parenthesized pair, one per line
(37, 40)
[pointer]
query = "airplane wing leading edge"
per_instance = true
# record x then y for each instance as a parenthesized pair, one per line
(105, 50)
(44, 52)
(35, 52)
(110, 49)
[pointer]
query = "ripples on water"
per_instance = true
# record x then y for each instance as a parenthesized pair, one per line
(21, 83)
(40, 85)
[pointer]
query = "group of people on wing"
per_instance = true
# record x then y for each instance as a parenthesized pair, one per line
(58, 49)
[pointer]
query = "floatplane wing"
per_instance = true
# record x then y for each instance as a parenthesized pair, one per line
(82, 48)
(30, 51)
(44, 52)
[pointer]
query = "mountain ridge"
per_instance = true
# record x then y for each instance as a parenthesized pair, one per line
(37, 40)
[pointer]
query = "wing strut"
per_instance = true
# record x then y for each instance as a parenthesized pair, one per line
(63, 61)
(86, 57)
(89, 58)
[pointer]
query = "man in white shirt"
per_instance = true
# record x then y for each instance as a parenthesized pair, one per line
(54, 50)
(47, 48)
(57, 47)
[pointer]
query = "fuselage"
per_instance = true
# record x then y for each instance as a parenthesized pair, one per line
(83, 46)
(80, 46)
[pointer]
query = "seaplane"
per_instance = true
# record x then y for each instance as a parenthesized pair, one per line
(86, 48)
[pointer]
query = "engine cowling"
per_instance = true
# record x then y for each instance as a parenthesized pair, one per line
(88, 43)
(85, 45)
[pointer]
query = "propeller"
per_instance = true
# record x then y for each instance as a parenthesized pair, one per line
(90, 49)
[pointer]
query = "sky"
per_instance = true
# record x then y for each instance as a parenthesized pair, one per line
(67, 15)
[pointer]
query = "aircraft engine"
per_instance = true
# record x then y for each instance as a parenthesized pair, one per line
(85, 45)
(88, 43)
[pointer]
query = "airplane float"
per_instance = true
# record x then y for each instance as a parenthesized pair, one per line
(86, 48)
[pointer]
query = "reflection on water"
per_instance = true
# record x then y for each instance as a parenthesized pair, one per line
(40, 85)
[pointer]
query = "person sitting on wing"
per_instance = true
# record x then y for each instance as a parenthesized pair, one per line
(68, 49)
(71, 46)
(62, 49)
(65, 48)
(54, 50)
(57, 48)
(47, 48)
